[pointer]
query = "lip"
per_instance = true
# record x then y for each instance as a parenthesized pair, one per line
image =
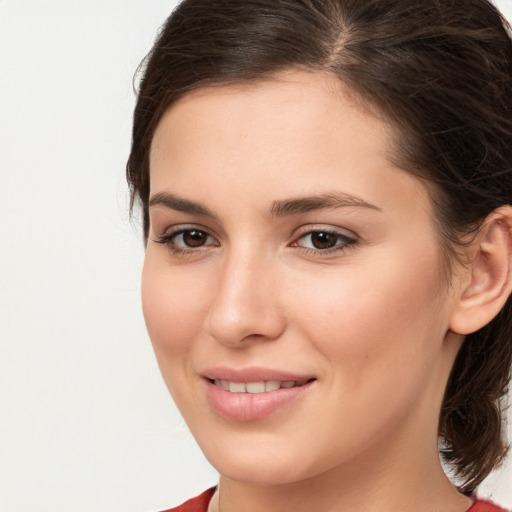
(252, 374)
(251, 407)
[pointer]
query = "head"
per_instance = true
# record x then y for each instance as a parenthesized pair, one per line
(439, 74)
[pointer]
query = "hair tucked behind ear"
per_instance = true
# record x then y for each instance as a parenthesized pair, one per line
(440, 71)
(473, 410)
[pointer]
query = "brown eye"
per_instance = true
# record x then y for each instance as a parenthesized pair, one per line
(189, 240)
(194, 238)
(323, 239)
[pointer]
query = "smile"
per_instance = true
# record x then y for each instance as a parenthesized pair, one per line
(242, 396)
(258, 387)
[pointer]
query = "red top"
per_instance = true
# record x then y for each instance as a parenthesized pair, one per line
(200, 504)
(485, 506)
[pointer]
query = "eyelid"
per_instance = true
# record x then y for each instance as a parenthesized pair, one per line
(327, 228)
(177, 228)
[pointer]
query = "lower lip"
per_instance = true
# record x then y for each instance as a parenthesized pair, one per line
(252, 406)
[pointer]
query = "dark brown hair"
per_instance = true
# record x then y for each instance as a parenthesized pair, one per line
(440, 71)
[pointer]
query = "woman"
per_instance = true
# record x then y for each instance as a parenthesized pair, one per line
(326, 188)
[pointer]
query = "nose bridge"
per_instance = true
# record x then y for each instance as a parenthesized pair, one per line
(245, 304)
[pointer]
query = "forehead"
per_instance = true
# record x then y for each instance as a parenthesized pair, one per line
(300, 133)
(291, 106)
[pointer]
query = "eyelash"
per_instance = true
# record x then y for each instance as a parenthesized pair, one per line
(342, 241)
(169, 240)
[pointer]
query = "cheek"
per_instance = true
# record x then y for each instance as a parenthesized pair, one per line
(374, 318)
(173, 305)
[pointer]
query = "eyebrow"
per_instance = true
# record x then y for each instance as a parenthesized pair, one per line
(181, 205)
(318, 202)
(279, 208)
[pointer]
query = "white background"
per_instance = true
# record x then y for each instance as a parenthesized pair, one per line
(86, 423)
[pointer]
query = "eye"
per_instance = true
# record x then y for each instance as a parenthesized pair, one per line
(191, 238)
(324, 241)
(186, 240)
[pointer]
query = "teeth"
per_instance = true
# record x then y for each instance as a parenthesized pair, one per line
(256, 387)
(272, 385)
(224, 384)
(237, 387)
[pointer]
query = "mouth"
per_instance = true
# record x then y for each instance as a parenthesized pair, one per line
(254, 393)
(258, 386)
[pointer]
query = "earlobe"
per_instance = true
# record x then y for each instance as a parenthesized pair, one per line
(487, 280)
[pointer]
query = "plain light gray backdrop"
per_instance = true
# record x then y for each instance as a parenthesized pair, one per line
(86, 423)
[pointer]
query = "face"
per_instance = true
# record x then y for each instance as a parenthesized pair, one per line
(293, 283)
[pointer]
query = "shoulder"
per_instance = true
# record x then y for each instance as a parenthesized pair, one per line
(197, 504)
(480, 505)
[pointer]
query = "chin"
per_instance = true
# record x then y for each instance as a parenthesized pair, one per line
(266, 473)
(260, 460)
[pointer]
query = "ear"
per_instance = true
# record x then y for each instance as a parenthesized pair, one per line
(486, 281)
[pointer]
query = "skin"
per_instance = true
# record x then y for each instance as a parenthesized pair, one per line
(370, 319)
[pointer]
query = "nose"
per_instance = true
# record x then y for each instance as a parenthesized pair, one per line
(246, 303)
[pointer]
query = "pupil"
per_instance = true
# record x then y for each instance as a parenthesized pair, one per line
(194, 238)
(322, 240)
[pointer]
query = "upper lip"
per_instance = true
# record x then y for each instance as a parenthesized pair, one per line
(252, 374)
